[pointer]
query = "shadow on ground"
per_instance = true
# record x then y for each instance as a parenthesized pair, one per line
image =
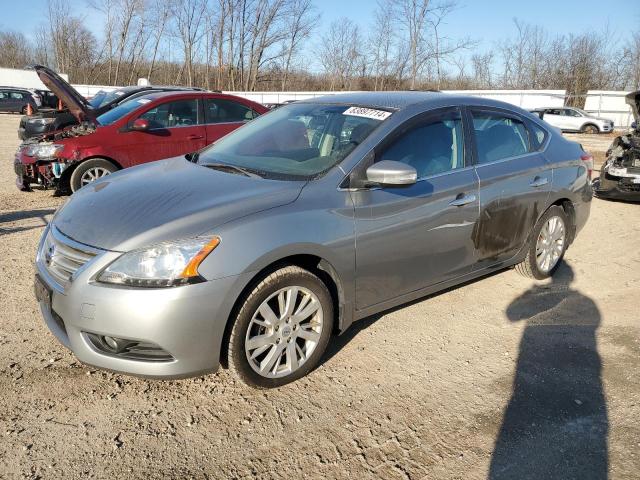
(555, 426)
(12, 217)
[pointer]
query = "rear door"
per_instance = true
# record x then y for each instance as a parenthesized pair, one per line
(17, 100)
(552, 117)
(223, 116)
(175, 128)
(415, 236)
(515, 181)
(4, 101)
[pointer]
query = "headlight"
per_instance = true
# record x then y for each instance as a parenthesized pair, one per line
(164, 265)
(43, 150)
(42, 121)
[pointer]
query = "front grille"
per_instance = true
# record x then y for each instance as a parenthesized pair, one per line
(62, 257)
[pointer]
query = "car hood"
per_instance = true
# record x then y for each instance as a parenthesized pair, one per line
(633, 100)
(165, 200)
(76, 103)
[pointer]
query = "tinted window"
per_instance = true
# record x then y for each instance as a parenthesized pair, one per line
(17, 95)
(180, 113)
(218, 110)
(433, 147)
(499, 137)
(4, 95)
(538, 136)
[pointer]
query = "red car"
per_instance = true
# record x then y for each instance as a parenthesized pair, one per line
(147, 128)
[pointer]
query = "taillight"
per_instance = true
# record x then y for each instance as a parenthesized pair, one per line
(587, 158)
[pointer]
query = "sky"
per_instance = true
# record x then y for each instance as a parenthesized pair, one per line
(484, 21)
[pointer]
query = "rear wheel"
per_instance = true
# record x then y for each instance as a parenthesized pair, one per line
(90, 171)
(548, 245)
(592, 129)
(282, 328)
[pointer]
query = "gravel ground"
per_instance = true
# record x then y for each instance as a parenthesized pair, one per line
(499, 378)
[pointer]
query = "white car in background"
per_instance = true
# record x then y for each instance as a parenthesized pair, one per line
(571, 119)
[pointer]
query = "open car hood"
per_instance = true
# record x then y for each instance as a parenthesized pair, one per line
(76, 103)
(633, 100)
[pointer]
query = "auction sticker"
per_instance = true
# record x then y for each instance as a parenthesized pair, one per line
(367, 113)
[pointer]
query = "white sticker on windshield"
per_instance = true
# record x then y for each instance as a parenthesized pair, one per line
(367, 113)
(119, 94)
(143, 100)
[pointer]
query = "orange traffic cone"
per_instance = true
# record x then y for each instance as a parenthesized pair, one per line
(29, 109)
(59, 104)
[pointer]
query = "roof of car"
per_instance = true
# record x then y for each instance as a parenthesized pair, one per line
(390, 100)
(180, 93)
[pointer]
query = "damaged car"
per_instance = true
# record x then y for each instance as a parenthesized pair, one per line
(151, 127)
(251, 253)
(51, 120)
(620, 174)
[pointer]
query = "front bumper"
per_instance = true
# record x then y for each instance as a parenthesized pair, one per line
(186, 322)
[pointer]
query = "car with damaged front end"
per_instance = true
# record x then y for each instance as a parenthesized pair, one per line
(620, 173)
(156, 125)
(253, 252)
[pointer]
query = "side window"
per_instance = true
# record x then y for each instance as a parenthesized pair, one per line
(499, 136)
(435, 146)
(4, 95)
(17, 95)
(218, 110)
(179, 113)
(538, 135)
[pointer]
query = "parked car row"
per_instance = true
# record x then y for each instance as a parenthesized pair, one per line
(252, 251)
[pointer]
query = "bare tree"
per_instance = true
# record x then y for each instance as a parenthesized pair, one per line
(188, 15)
(340, 53)
(300, 20)
(15, 51)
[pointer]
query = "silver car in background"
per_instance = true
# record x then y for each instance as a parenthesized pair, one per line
(571, 119)
(252, 252)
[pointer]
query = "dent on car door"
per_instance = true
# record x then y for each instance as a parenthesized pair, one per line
(174, 129)
(415, 236)
(223, 116)
(515, 180)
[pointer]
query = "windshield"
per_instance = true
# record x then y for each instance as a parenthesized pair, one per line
(297, 141)
(102, 98)
(121, 110)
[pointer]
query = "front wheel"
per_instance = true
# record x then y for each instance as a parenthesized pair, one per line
(282, 328)
(592, 129)
(548, 245)
(90, 171)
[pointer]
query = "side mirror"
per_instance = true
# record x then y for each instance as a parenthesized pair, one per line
(390, 172)
(140, 125)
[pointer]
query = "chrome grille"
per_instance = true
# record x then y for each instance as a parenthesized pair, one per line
(62, 257)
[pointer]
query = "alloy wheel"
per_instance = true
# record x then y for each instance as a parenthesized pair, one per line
(93, 174)
(550, 244)
(284, 332)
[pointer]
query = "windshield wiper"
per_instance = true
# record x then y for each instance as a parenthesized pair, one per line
(233, 168)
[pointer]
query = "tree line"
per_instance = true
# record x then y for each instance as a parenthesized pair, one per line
(280, 45)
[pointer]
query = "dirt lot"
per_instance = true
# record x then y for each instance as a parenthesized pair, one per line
(500, 378)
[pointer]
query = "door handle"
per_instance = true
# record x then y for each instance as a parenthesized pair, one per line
(539, 182)
(462, 199)
(195, 137)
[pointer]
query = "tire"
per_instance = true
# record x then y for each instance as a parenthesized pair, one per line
(276, 337)
(530, 267)
(95, 167)
(590, 128)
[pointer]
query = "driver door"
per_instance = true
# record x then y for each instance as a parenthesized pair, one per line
(411, 237)
(175, 128)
